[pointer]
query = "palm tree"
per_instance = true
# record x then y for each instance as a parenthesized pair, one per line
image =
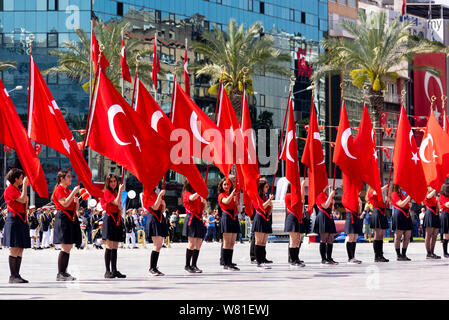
(376, 54)
(74, 57)
(7, 64)
(229, 56)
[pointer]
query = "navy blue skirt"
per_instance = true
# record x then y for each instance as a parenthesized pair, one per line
(229, 225)
(444, 218)
(110, 230)
(66, 230)
(324, 224)
(261, 225)
(196, 228)
(400, 221)
(154, 228)
(378, 220)
(16, 233)
(353, 226)
(292, 224)
(431, 220)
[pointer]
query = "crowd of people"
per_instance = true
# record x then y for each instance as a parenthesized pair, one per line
(65, 225)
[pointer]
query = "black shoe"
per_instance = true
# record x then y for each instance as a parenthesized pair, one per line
(117, 274)
(324, 261)
(331, 261)
(231, 267)
(155, 272)
(267, 261)
(108, 275)
(381, 259)
(435, 256)
(196, 269)
(403, 258)
(64, 277)
(17, 279)
(253, 261)
(429, 256)
(189, 269)
(297, 264)
(406, 258)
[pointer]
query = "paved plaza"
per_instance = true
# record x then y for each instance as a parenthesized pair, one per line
(418, 279)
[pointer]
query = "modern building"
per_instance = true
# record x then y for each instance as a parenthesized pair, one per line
(293, 23)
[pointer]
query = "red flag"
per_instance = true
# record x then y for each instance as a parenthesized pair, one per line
(118, 132)
(345, 152)
(156, 64)
(313, 158)
(186, 73)
(47, 126)
(95, 52)
(404, 6)
(152, 114)
(187, 115)
(126, 75)
(408, 171)
(434, 153)
(367, 153)
(290, 156)
(13, 135)
(445, 123)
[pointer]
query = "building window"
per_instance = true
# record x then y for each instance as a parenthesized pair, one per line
(52, 5)
(292, 15)
(262, 7)
(52, 78)
(262, 100)
(206, 25)
(171, 18)
(52, 40)
(159, 86)
(250, 5)
(158, 16)
(1, 5)
(352, 3)
(120, 9)
(303, 17)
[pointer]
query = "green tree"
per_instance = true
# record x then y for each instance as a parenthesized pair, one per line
(7, 64)
(238, 51)
(377, 52)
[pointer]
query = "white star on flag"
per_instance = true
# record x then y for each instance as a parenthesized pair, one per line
(415, 157)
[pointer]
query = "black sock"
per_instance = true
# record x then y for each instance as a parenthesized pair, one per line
(376, 248)
(329, 250)
(195, 257)
(295, 257)
(18, 263)
(398, 252)
(63, 261)
(404, 250)
(188, 257)
(349, 250)
(264, 258)
(114, 260)
(153, 259)
(381, 248)
(222, 261)
(231, 253)
(259, 254)
(354, 244)
(107, 259)
(445, 246)
(323, 250)
(291, 255)
(252, 249)
(12, 266)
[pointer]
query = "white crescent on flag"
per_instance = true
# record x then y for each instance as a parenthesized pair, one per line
(194, 128)
(344, 141)
(113, 110)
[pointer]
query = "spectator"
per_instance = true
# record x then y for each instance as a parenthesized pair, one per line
(2, 225)
(174, 226)
(421, 231)
(211, 226)
(366, 216)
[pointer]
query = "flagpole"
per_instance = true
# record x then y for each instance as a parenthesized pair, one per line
(155, 84)
(292, 80)
(89, 152)
(31, 38)
(171, 110)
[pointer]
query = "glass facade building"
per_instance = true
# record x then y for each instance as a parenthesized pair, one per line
(293, 23)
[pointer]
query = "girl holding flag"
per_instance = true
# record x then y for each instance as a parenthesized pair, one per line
(401, 221)
(353, 227)
(379, 223)
(431, 222)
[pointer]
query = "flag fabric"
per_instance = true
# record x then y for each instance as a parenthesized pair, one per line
(445, 122)
(290, 156)
(118, 132)
(408, 170)
(404, 6)
(152, 114)
(156, 64)
(313, 158)
(187, 115)
(126, 75)
(434, 153)
(95, 53)
(47, 126)
(186, 73)
(367, 153)
(13, 135)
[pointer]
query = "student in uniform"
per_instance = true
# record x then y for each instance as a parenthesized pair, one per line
(67, 227)
(33, 222)
(17, 231)
(295, 227)
(444, 206)
(45, 220)
(401, 221)
(230, 225)
(130, 228)
(156, 228)
(325, 226)
(353, 227)
(261, 225)
(431, 222)
(193, 228)
(112, 232)
(379, 222)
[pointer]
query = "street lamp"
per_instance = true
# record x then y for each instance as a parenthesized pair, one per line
(15, 89)
(306, 89)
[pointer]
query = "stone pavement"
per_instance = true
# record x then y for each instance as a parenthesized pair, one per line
(418, 279)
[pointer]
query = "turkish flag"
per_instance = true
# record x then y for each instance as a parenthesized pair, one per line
(13, 135)
(47, 126)
(290, 156)
(404, 6)
(408, 170)
(95, 53)
(445, 123)
(119, 133)
(126, 75)
(434, 153)
(313, 158)
(367, 153)
(205, 139)
(351, 190)
(152, 114)
(156, 64)
(186, 73)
